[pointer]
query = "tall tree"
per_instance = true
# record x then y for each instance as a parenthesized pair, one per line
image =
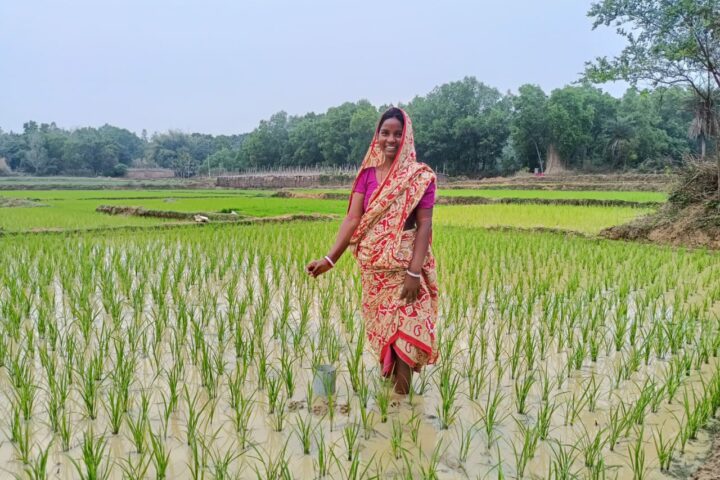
(668, 43)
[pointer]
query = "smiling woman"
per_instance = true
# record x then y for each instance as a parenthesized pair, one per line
(389, 224)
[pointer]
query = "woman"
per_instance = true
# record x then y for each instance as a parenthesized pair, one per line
(389, 224)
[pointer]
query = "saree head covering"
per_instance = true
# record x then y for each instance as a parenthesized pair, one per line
(384, 251)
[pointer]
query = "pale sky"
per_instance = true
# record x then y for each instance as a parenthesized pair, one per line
(220, 66)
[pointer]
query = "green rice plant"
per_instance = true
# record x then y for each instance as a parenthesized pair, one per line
(382, 398)
(672, 379)
(574, 406)
(36, 469)
(304, 430)
(477, 379)
(526, 452)
(287, 373)
(647, 393)
(324, 455)
(198, 460)
(221, 462)
(261, 365)
(431, 469)
(354, 362)
(366, 418)
(448, 387)
(491, 415)
(135, 470)
(280, 415)
(591, 447)
(465, 437)
(396, 437)
(618, 422)
(273, 384)
(636, 453)
(664, 449)
(422, 383)
(415, 422)
(115, 409)
(138, 427)
(593, 392)
(351, 434)
(561, 465)
(522, 390)
(21, 442)
(241, 415)
(65, 430)
(277, 467)
(194, 416)
(92, 465)
(544, 419)
(160, 455)
(353, 471)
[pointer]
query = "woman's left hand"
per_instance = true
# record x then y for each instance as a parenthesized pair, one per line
(411, 289)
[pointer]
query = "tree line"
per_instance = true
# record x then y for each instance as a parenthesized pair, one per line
(461, 128)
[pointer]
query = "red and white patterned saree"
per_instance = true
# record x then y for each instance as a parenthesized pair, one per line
(384, 251)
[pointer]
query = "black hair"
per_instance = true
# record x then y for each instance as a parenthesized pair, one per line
(392, 112)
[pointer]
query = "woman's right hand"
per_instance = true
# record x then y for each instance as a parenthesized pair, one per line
(317, 267)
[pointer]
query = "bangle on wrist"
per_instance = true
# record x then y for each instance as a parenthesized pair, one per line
(332, 264)
(416, 275)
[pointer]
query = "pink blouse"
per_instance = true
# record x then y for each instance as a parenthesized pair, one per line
(367, 183)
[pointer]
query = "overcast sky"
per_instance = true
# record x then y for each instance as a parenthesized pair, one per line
(221, 66)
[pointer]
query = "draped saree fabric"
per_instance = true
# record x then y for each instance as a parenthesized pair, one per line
(384, 250)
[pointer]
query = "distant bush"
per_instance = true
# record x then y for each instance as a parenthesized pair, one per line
(119, 170)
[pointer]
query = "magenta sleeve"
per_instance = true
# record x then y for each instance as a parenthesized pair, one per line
(361, 184)
(428, 198)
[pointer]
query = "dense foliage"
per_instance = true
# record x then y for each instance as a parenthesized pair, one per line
(463, 127)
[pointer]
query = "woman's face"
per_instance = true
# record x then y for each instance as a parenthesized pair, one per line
(389, 137)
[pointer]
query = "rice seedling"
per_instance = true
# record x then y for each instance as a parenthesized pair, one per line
(522, 390)
(194, 416)
(366, 419)
(304, 430)
(220, 463)
(21, 442)
(159, 454)
(636, 454)
(276, 467)
(280, 415)
(138, 427)
(115, 409)
(430, 470)
(491, 415)
(664, 449)
(135, 470)
(36, 468)
(351, 435)
(93, 465)
(382, 398)
(591, 447)
(561, 465)
(448, 388)
(323, 457)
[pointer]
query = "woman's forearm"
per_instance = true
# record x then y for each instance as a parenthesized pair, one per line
(347, 228)
(422, 244)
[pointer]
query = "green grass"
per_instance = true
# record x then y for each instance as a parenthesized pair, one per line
(558, 194)
(71, 209)
(542, 194)
(137, 193)
(579, 219)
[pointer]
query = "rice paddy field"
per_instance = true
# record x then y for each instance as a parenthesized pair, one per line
(189, 352)
(75, 209)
